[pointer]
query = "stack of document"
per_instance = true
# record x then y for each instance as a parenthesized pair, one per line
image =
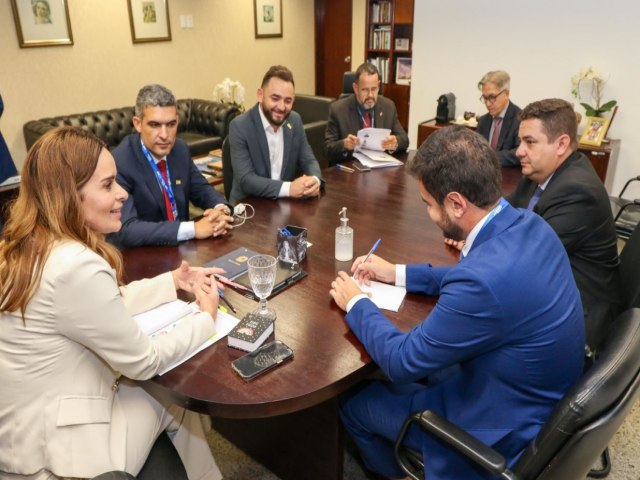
(370, 151)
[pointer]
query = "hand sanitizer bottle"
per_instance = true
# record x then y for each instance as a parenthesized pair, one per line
(344, 238)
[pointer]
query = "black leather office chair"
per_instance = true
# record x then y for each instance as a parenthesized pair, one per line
(163, 463)
(626, 212)
(227, 168)
(630, 270)
(347, 84)
(576, 433)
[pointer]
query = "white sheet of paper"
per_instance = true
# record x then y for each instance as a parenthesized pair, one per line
(372, 138)
(385, 296)
(376, 159)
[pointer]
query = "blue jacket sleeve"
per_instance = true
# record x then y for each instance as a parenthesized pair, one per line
(464, 323)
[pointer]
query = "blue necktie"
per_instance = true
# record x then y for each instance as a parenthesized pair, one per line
(535, 198)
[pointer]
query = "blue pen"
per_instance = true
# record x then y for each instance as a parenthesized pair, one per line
(373, 249)
(227, 303)
(339, 166)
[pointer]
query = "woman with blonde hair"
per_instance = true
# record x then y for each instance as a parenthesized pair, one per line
(66, 331)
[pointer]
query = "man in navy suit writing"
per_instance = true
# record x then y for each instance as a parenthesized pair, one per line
(157, 171)
(502, 344)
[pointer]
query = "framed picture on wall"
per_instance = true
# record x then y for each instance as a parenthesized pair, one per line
(594, 131)
(149, 20)
(403, 71)
(268, 18)
(42, 23)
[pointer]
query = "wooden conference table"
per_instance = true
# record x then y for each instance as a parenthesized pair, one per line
(287, 419)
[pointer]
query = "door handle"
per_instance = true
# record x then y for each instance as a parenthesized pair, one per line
(347, 59)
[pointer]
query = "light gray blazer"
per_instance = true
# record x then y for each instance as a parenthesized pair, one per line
(58, 410)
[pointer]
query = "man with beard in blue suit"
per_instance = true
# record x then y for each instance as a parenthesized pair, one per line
(502, 344)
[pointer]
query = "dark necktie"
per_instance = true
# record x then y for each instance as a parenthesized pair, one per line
(367, 119)
(497, 122)
(162, 166)
(535, 198)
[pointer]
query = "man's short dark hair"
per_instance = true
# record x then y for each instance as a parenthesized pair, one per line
(278, 71)
(456, 159)
(368, 68)
(153, 95)
(556, 116)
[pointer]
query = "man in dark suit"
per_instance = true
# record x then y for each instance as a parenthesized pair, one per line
(7, 167)
(157, 171)
(571, 198)
(361, 110)
(505, 339)
(270, 154)
(500, 125)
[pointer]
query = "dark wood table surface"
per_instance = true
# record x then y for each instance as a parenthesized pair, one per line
(295, 404)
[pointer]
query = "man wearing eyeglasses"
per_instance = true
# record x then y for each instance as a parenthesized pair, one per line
(500, 125)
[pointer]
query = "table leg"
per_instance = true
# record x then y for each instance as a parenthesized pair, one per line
(306, 444)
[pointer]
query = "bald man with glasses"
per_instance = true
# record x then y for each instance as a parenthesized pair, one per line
(500, 125)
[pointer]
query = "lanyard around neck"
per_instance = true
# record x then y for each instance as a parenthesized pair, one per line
(166, 186)
(372, 116)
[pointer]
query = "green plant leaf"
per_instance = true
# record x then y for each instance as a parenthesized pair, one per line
(589, 110)
(608, 106)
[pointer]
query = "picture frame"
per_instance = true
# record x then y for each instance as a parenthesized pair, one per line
(402, 44)
(403, 71)
(149, 20)
(594, 131)
(42, 23)
(268, 18)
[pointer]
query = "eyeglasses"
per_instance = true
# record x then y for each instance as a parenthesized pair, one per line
(491, 99)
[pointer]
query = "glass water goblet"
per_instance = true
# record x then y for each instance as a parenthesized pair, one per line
(262, 275)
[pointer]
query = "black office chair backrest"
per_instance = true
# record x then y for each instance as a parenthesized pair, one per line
(227, 168)
(588, 416)
(347, 83)
(630, 270)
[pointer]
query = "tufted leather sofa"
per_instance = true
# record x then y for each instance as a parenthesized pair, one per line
(203, 124)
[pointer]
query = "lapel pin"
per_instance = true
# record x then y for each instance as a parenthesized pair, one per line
(178, 181)
(289, 125)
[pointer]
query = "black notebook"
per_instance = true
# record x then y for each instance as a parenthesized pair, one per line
(285, 276)
(234, 263)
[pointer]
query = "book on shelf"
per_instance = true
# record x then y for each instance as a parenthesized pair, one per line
(250, 333)
(167, 316)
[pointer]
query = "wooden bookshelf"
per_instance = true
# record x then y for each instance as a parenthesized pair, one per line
(389, 32)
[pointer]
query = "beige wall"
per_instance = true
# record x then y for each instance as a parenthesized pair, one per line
(104, 69)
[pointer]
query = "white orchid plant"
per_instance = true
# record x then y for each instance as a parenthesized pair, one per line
(590, 82)
(230, 91)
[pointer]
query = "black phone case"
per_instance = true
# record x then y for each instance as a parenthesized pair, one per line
(262, 360)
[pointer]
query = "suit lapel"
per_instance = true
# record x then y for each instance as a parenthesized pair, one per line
(354, 116)
(287, 136)
(261, 138)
